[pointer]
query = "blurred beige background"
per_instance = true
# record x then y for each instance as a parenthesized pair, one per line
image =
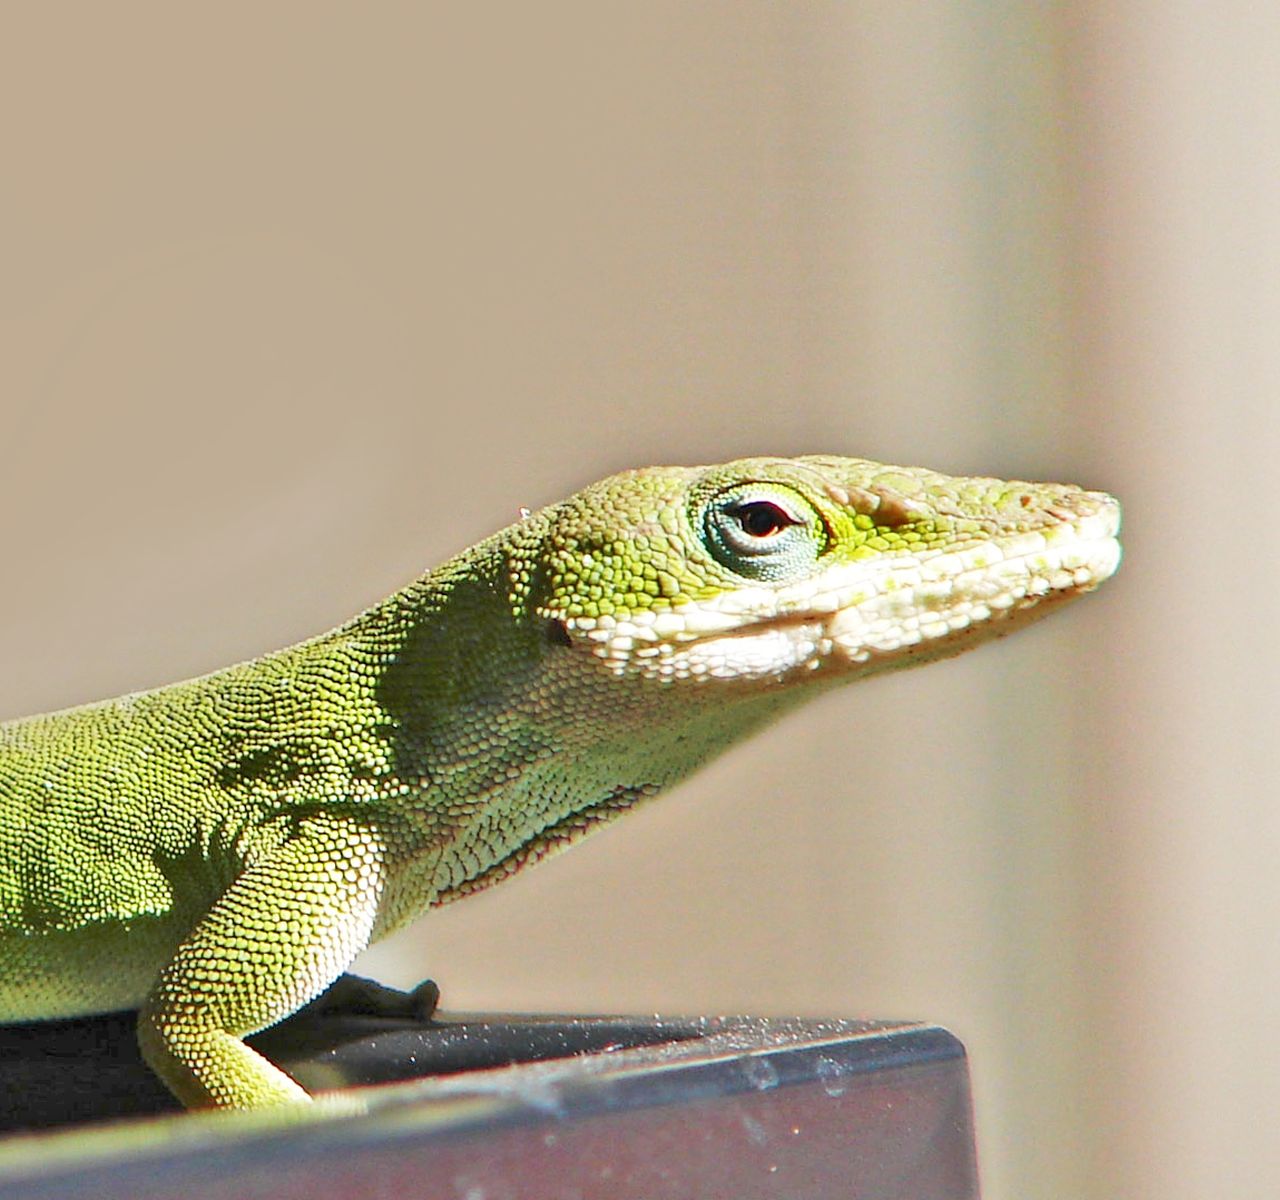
(297, 299)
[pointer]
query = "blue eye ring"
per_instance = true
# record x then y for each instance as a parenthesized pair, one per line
(763, 532)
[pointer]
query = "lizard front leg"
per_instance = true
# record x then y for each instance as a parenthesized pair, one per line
(284, 929)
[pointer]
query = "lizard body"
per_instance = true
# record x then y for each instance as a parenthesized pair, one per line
(217, 851)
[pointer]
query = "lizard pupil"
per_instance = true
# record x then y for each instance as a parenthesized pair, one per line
(762, 519)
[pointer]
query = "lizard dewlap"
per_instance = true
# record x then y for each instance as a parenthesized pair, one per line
(216, 852)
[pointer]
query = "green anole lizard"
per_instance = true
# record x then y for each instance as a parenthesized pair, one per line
(216, 852)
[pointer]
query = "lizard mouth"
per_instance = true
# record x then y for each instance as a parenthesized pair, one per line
(948, 599)
(865, 614)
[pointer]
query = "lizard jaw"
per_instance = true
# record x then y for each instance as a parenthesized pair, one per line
(868, 615)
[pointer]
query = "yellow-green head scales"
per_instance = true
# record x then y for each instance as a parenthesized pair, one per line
(762, 567)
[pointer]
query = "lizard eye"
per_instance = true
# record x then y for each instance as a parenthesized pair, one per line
(763, 518)
(763, 532)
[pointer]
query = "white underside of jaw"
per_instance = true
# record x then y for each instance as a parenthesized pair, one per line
(853, 615)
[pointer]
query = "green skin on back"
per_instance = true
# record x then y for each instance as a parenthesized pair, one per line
(216, 852)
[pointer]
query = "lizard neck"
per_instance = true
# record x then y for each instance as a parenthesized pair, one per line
(503, 742)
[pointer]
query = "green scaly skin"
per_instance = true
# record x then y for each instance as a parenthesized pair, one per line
(216, 852)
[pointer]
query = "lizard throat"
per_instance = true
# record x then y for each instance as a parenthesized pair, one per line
(555, 837)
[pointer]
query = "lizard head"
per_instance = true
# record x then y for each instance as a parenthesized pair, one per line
(765, 568)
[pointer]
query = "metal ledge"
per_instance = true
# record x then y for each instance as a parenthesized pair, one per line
(493, 1106)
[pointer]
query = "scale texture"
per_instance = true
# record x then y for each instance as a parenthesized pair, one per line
(216, 852)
